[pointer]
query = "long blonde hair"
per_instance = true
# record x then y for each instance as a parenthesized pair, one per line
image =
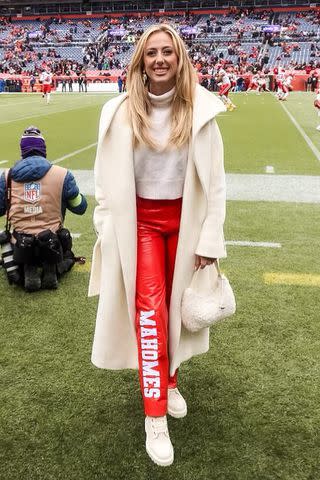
(139, 102)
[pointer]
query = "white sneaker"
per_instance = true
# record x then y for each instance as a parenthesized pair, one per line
(158, 443)
(177, 406)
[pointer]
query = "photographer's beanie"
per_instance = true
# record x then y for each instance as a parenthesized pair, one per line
(32, 143)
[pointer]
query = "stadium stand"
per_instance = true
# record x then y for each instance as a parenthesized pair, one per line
(246, 40)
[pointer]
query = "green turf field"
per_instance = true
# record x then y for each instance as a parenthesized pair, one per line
(253, 400)
(257, 134)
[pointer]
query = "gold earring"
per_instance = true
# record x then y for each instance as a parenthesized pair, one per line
(144, 77)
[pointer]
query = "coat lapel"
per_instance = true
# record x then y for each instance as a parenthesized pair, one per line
(206, 107)
(108, 112)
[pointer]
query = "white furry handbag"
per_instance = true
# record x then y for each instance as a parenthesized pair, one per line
(209, 299)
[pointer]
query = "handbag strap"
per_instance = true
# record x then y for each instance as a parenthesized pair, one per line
(221, 285)
(216, 264)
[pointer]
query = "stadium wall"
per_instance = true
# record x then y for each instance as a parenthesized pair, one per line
(101, 83)
(89, 15)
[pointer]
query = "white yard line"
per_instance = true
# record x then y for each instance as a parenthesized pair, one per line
(3, 161)
(32, 116)
(48, 112)
(269, 169)
(302, 132)
(9, 104)
(246, 243)
(240, 243)
(72, 154)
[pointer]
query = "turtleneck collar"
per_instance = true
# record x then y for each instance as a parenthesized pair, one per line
(162, 100)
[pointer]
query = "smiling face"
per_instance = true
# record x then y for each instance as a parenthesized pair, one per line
(160, 62)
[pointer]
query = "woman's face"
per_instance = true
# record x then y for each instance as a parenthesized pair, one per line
(160, 62)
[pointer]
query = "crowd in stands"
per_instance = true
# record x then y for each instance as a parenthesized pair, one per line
(102, 56)
(26, 59)
(47, 31)
(300, 25)
(245, 40)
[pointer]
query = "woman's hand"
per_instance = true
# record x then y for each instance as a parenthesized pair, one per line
(202, 262)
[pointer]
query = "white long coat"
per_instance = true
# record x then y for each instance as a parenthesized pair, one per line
(113, 273)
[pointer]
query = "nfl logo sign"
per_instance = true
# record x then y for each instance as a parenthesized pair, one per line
(31, 192)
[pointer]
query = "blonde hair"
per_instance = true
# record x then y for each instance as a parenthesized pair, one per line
(182, 103)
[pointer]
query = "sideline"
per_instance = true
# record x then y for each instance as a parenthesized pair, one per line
(244, 187)
(72, 154)
(275, 188)
(252, 187)
(307, 139)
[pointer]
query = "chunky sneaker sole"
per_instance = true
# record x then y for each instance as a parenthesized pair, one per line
(157, 460)
(175, 412)
(158, 443)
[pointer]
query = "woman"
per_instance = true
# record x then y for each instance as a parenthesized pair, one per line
(158, 144)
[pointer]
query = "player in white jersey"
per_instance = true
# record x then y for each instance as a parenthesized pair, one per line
(46, 80)
(262, 82)
(286, 87)
(280, 78)
(224, 84)
(254, 84)
(233, 81)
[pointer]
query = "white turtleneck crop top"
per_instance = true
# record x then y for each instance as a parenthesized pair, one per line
(160, 174)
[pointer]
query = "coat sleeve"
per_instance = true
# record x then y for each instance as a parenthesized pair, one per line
(211, 241)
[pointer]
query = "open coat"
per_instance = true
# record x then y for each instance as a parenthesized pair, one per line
(113, 273)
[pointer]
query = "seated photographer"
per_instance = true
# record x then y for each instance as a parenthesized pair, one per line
(34, 195)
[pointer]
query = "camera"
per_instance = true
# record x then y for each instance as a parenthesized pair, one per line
(10, 266)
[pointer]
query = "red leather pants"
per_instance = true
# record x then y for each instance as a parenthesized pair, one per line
(158, 224)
